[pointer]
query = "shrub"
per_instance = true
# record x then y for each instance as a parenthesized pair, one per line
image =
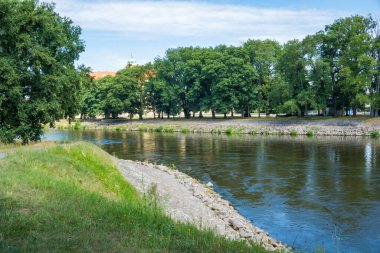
(310, 133)
(374, 134)
(77, 124)
(185, 130)
(293, 132)
(229, 130)
(159, 129)
(143, 129)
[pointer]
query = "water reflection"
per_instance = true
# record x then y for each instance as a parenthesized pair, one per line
(304, 191)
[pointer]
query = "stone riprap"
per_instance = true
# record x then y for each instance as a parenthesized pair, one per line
(187, 200)
(331, 127)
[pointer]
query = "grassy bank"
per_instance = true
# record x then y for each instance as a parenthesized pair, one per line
(72, 199)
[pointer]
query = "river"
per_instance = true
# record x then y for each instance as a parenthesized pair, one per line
(306, 192)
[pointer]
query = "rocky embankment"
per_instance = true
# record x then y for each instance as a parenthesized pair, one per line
(330, 127)
(187, 200)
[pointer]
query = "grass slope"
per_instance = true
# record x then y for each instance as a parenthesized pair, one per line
(72, 199)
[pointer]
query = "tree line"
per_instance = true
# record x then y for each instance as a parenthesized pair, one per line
(334, 72)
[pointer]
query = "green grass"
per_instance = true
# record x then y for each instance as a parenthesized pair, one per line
(293, 132)
(185, 130)
(374, 134)
(229, 131)
(71, 198)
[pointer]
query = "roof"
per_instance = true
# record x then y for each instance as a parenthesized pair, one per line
(101, 74)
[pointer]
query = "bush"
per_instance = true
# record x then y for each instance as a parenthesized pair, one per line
(143, 129)
(77, 125)
(293, 132)
(185, 130)
(229, 130)
(374, 134)
(310, 133)
(159, 129)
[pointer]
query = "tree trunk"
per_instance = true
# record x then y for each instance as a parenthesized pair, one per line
(306, 111)
(200, 115)
(193, 114)
(140, 116)
(168, 115)
(335, 107)
(247, 113)
(354, 111)
(232, 113)
(187, 113)
(225, 115)
(213, 114)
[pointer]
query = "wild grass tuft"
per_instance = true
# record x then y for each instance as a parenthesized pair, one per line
(310, 133)
(77, 125)
(293, 132)
(374, 134)
(229, 131)
(185, 130)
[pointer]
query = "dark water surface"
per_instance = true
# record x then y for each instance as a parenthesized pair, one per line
(306, 192)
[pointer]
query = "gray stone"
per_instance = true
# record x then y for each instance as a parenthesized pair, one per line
(235, 223)
(244, 233)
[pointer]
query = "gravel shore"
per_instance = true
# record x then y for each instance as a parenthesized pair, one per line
(187, 200)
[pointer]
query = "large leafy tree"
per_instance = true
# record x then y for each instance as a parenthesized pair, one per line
(292, 65)
(375, 87)
(38, 81)
(345, 46)
(263, 55)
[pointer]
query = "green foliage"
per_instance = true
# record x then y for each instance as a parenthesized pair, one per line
(185, 130)
(229, 131)
(143, 129)
(77, 125)
(310, 133)
(293, 132)
(290, 107)
(374, 134)
(334, 70)
(38, 80)
(51, 199)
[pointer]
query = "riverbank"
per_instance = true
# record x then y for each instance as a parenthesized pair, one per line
(293, 126)
(73, 198)
(187, 200)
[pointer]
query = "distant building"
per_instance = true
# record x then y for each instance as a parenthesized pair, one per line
(132, 62)
(98, 75)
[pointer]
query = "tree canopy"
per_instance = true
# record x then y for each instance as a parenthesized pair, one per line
(39, 83)
(331, 72)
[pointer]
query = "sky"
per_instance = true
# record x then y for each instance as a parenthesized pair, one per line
(114, 31)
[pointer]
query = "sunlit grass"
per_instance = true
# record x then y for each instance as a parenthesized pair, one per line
(71, 198)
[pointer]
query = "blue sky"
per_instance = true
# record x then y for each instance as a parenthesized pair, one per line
(115, 29)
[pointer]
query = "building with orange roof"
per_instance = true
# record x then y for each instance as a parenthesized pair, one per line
(101, 74)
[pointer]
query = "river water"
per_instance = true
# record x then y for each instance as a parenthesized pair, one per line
(306, 192)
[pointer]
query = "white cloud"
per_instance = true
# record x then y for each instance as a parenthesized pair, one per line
(158, 19)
